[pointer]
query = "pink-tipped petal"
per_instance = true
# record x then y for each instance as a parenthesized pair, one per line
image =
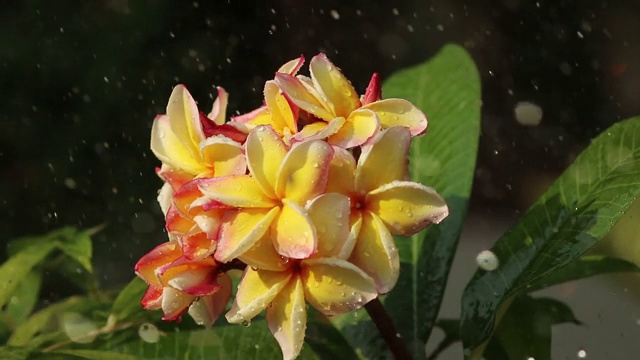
(185, 119)
(406, 207)
(355, 223)
(374, 90)
(265, 154)
(304, 171)
(197, 246)
(399, 112)
(335, 286)
(361, 125)
(177, 224)
(297, 92)
(209, 222)
(161, 255)
(256, 290)
(376, 253)
(334, 85)
(287, 319)
(175, 177)
(219, 109)
(175, 303)
(231, 130)
(384, 159)
(292, 66)
(241, 230)
(206, 309)
(330, 216)
(241, 191)
(293, 233)
(152, 298)
(168, 148)
(224, 156)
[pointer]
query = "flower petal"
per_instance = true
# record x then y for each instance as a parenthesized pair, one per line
(206, 309)
(185, 119)
(159, 256)
(240, 231)
(175, 303)
(251, 115)
(293, 233)
(197, 246)
(241, 191)
(319, 130)
(374, 90)
(177, 224)
(292, 66)
(209, 222)
(224, 156)
(341, 172)
(361, 125)
(376, 253)
(262, 255)
(219, 109)
(287, 319)
(304, 171)
(177, 178)
(296, 91)
(282, 115)
(388, 150)
(152, 298)
(195, 277)
(265, 154)
(166, 146)
(330, 216)
(334, 85)
(355, 223)
(336, 286)
(406, 207)
(165, 197)
(256, 290)
(399, 112)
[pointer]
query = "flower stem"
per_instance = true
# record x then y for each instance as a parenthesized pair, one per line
(387, 329)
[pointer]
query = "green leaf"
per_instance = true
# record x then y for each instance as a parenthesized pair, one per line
(577, 211)
(79, 248)
(447, 89)
(525, 330)
(13, 353)
(219, 342)
(583, 267)
(127, 304)
(17, 267)
(95, 354)
(24, 297)
(325, 339)
(44, 320)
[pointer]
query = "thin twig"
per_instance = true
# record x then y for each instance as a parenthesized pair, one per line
(387, 329)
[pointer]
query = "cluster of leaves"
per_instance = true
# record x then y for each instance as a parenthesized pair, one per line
(499, 316)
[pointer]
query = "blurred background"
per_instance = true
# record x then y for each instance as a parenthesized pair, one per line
(82, 82)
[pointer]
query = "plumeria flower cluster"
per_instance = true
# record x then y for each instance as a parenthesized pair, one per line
(305, 194)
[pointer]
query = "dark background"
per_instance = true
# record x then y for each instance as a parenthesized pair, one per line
(83, 80)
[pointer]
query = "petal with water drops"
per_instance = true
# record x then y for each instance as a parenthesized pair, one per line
(256, 290)
(287, 319)
(406, 207)
(335, 286)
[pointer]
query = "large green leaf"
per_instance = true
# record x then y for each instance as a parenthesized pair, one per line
(525, 330)
(24, 297)
(447, 89)
(583, 267)
(13, 353)
(578, 210)
(94, 354)
(18, 266)
(219, 342)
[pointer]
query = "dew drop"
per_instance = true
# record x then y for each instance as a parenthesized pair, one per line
(246, 323)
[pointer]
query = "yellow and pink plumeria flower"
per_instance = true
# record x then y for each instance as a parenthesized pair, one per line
(306, 194)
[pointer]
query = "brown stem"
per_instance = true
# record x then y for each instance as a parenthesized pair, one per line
(387, 329)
